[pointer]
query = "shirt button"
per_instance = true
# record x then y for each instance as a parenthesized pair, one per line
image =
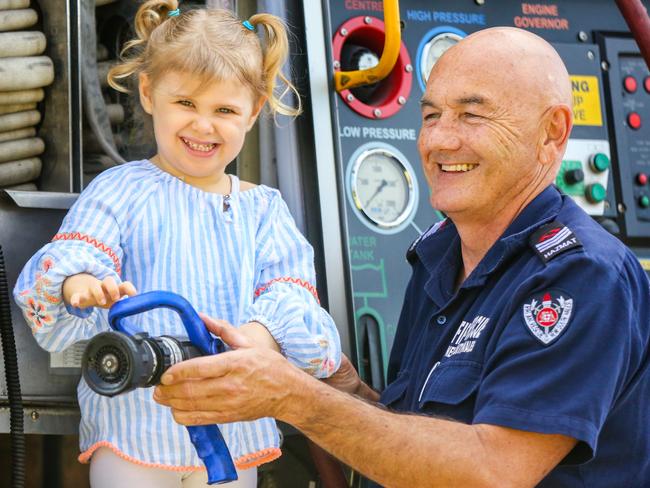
(441, 319)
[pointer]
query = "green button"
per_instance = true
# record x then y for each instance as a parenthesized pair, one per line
(595, 193)
(599, 162)
(644, 201)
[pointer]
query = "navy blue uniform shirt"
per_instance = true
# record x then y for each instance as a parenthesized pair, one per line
(548, 334)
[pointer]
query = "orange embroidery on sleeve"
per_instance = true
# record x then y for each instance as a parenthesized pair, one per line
(77, 236)
(37, 314)
(295, 281)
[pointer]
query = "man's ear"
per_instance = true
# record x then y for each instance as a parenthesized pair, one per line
(257, 108)
(144, 86)
(556, 127)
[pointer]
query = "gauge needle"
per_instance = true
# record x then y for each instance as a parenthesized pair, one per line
(377, 191)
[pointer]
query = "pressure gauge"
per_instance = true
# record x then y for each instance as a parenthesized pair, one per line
(365, 59)
(433, 49)
(382, 188)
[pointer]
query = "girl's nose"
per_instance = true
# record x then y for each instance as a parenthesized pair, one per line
(203, 125)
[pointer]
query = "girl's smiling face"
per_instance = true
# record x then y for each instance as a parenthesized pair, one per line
(199, 127)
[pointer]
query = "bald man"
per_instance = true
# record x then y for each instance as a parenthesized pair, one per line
(521, 356)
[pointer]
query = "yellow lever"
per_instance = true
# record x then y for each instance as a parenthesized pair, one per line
(344, 80)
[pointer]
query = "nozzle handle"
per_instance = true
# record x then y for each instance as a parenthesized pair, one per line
(207, 439)
(214, 453)
(194, 326)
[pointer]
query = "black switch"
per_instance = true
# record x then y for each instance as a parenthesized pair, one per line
(574, 176)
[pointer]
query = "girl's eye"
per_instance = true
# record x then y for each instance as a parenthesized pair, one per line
(185, 103)
(224, 110)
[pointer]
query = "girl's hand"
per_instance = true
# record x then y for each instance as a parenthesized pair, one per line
(260, 335)
(251, 334)
(84, 290)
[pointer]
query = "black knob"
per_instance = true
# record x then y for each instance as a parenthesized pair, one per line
(574, 176)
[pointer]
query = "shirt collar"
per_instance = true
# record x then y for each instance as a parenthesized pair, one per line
(542, 209)
(441, 256)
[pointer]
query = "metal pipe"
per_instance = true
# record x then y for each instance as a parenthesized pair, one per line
(344, 80)
(636, 16)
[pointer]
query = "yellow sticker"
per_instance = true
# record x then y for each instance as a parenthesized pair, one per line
(645, 263)
(586, 100)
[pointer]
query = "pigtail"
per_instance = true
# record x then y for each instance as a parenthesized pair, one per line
(150, 15)
(275, 55)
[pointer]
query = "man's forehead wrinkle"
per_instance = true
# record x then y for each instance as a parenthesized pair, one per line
(426, 101)
(457, 101)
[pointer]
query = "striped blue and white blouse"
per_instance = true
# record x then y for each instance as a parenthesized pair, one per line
(239, 258)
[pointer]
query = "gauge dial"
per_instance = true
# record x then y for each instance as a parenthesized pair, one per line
(433, 49)
(382, 188)
(365, 59)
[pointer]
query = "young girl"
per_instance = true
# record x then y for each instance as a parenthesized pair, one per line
(178, 222)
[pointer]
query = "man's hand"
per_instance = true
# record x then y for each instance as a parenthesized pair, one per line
(347, 379)
(84, 290)
(246, 383)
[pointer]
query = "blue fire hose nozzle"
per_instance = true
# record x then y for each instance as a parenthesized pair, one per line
(207, 439)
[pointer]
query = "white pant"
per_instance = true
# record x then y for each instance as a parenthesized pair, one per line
(108, 470)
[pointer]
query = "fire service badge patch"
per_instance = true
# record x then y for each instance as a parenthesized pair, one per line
(547, 314)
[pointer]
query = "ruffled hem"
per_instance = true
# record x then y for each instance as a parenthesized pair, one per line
(245, 462)
(257, 458)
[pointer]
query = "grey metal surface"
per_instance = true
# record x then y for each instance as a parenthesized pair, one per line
(279, 140)
(44, 420)
(331, 215)
(24, 230)
(227, 4)
(55, 129)
(42, 199)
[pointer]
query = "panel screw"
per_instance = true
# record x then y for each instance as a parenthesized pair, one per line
(408, 68)
(336, 65)
(34, 415)
(591, 55)
(350, 97)
(621, 208)
(367, 20)
(479, 2)
(377, 113)
(604, 65)
(582, 36)
(401, 100)
(344, 31)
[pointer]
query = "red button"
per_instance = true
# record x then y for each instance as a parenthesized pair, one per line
(646, 84)
(641, 178)
(634, 120)
(629, 82)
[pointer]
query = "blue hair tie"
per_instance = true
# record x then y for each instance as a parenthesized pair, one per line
(174, 13)
(248, 25)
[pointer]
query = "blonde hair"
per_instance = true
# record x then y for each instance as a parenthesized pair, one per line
(212, 44)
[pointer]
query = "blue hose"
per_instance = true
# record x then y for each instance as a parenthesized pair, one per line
(207, 439)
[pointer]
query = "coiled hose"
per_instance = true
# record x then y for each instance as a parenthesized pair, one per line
(13, 382)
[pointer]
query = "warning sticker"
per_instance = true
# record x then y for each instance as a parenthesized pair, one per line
(586, 100)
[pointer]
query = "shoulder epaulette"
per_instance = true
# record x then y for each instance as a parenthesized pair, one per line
(552, 239)
(410, 253)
